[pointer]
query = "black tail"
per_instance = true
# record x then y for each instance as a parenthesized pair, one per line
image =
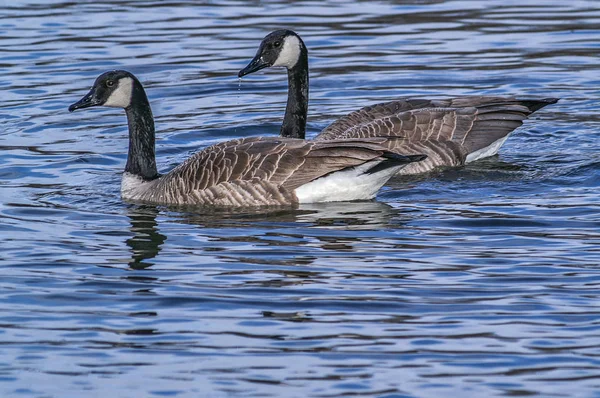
(393, 159)
(534, 105)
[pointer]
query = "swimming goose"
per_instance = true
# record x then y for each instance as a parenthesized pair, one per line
(243, 172)
(451, 132)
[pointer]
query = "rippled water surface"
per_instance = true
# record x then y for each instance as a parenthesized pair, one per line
(480, 281)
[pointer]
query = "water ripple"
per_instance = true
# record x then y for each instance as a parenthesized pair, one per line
(478, 281)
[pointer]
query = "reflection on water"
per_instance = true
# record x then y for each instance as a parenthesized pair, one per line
(146, 240)
(477, 282)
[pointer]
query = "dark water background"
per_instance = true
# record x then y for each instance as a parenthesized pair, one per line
(474, 282)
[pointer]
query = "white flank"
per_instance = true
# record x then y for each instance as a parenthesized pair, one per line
(488, 151)
(133, 186)
(349, 184)
(290, 53)
(121, 96)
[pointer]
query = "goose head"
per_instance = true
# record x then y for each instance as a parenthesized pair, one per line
(281, 48)
(121, 89)
(114, 89)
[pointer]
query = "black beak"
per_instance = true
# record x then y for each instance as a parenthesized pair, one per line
(87, 101)
(255, 65)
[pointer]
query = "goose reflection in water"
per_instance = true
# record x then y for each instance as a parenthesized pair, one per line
(332, 215)
(349, 216)
(146, 242)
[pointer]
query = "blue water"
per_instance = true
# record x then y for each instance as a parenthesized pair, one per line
(481, 281)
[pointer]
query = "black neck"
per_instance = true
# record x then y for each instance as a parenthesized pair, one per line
(141, 159)
(294, 121)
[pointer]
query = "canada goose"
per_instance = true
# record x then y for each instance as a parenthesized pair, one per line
(451, 132)
(243, 172)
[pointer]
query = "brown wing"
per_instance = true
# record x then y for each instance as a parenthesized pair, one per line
(261, 170)
(474, 122)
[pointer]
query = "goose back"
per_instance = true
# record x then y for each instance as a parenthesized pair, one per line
(450, 132)
(474, 122)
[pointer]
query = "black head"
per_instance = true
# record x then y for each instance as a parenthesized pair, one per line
(281, 48)
(114, 88)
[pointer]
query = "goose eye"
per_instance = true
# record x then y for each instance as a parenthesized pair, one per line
(110, 83)
(277, 44)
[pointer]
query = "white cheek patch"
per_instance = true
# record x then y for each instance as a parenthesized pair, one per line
(290, 53)
(121, 96)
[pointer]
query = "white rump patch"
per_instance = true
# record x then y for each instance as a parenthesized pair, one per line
(290, 53)
(132, 186)
(121, 96)
(486, 152)
(345, 185)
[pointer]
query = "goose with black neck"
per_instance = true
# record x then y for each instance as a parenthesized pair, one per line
(285, 49)
(253, 171)
(451, 132)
